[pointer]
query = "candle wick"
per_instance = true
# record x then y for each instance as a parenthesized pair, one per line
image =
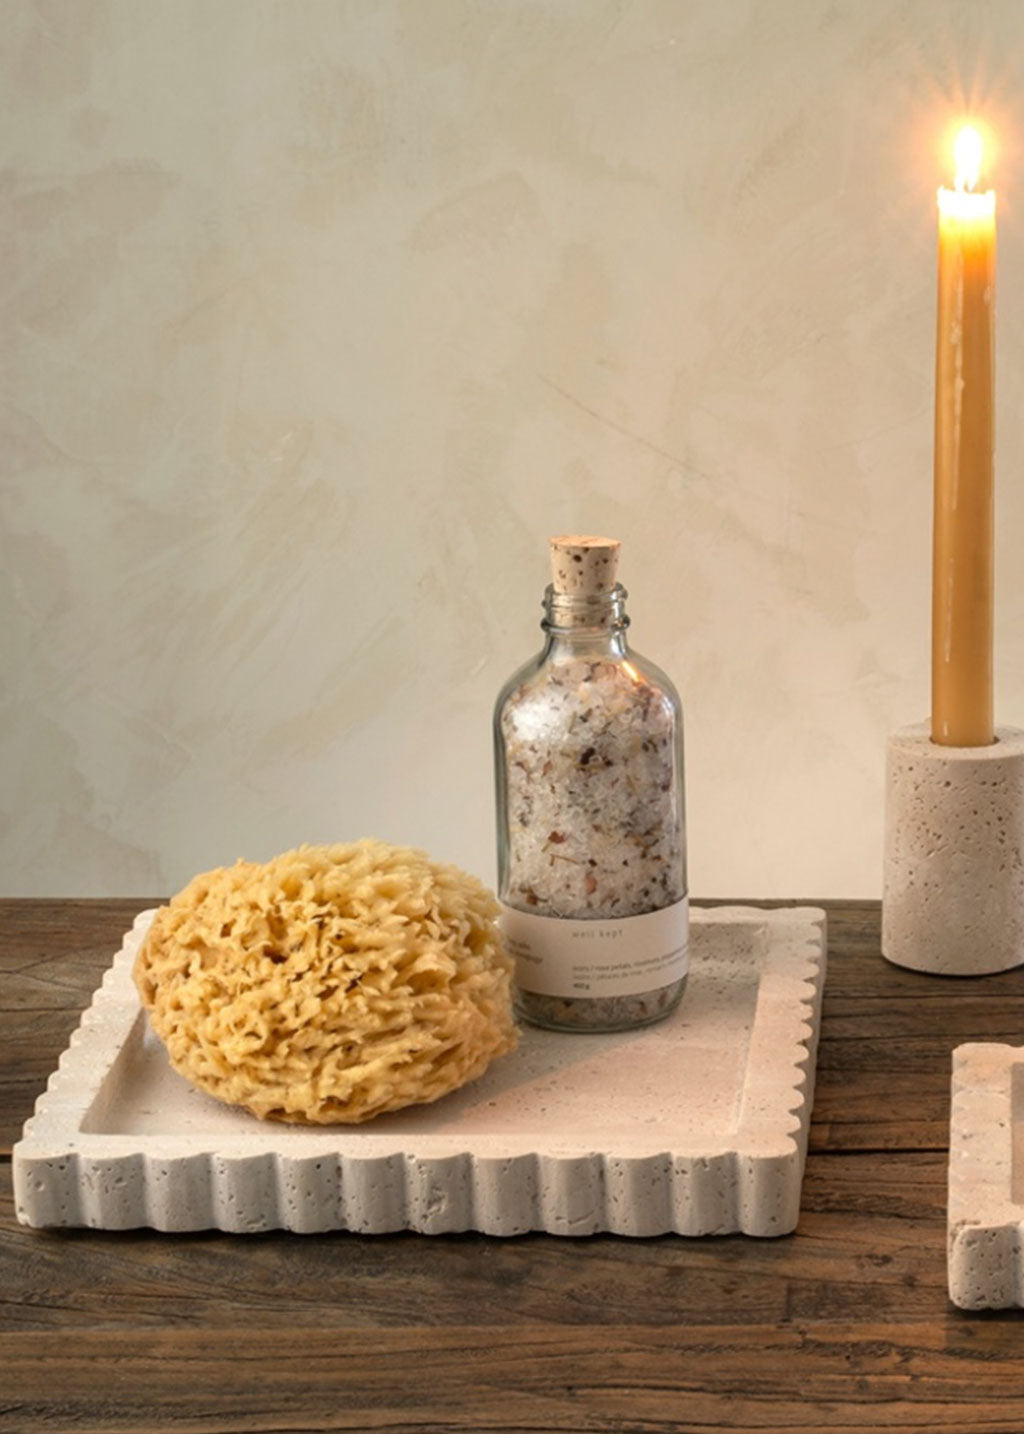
(967, 153)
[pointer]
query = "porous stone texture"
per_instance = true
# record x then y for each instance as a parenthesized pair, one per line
(985, 1229)
(953, 892)
(697, 1125)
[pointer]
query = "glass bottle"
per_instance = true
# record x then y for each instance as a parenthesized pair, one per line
(590, 805)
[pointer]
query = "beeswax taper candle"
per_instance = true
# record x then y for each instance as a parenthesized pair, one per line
(963, 514)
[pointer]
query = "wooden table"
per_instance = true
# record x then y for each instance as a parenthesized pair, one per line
(843, 1325)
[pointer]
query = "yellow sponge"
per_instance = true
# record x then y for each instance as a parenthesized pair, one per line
(331, 984)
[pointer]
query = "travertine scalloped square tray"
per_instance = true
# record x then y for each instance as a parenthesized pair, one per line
(697, 1125)
(985, 1214)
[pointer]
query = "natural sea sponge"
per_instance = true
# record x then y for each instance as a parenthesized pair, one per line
(331, 984)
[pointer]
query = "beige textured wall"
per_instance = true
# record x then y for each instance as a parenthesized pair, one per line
(319, 317)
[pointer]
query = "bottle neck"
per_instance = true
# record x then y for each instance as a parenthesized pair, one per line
(576, 624)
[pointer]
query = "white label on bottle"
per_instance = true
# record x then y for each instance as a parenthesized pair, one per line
(587, 959)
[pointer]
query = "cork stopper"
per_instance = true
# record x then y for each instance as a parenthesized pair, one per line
(583, 566)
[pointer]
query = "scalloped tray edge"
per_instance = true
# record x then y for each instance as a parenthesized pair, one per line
(351, 1178)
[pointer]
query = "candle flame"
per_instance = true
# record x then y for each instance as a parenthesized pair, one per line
(967, 153)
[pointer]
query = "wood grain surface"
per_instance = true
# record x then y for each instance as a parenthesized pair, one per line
(844, 1325)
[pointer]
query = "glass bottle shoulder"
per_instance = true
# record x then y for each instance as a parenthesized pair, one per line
(578, 686)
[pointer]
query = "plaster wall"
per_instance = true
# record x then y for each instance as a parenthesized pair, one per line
(320, 317)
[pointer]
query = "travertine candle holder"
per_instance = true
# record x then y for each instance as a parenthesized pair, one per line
(953, 895)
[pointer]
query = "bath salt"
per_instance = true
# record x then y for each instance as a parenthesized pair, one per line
(591, 822)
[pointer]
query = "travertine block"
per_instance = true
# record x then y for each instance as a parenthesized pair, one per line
(985, 1246)
(953, 894)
